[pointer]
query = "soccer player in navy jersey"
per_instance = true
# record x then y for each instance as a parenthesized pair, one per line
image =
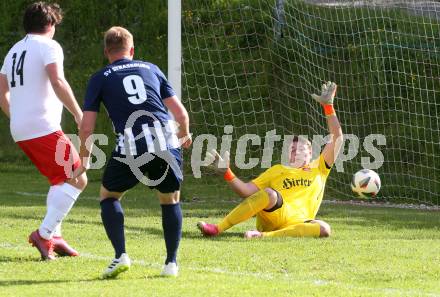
(137, 97)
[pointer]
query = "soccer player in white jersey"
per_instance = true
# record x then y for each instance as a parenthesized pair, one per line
(33, 91)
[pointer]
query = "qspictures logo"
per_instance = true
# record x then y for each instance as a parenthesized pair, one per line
(161, 138)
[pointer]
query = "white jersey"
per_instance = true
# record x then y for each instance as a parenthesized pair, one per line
(35, 109)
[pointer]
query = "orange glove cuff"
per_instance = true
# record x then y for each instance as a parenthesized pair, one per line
(329, 110)
(229, 175)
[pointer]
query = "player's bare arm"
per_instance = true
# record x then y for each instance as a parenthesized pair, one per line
(63, 91)
(333, 147)
(4, 94)
(86, 129)
(221, 166)
(180, 114)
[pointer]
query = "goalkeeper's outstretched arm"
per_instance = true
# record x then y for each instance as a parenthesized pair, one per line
(242, 189)
(333, 147)
(221, 165)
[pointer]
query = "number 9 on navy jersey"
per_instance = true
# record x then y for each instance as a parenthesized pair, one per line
(132, 92)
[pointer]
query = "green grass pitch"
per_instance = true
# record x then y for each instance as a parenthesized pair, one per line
(373, 251)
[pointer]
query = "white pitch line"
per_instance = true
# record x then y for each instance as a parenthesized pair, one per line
(369, 203)
(81, 197)
(286, 276)
(332, 202)
(29, 194)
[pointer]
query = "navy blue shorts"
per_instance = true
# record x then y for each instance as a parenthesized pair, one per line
(119, 177)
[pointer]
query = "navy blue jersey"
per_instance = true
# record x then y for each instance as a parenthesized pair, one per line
(132, 91)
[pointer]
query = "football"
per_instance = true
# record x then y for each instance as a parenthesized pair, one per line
(366, 183)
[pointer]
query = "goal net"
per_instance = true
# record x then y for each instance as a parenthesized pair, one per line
(253, 64)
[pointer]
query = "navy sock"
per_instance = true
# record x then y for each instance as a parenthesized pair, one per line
(113, 219)
(172, 229)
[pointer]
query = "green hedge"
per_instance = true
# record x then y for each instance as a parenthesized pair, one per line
(236, 71)
(81, 35)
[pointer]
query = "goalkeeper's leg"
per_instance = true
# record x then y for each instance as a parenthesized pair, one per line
(263, 199)
(312, 228)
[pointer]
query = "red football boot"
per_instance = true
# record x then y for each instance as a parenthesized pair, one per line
(44, 246)
(208, 229)
(62, 248)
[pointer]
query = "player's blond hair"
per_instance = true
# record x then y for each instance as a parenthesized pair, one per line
(117, 39)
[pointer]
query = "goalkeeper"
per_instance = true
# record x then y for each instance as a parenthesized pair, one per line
(285, 199)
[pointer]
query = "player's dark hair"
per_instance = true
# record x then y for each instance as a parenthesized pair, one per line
(38, 15)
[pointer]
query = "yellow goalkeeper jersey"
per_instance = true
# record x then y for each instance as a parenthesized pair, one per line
(302, 190)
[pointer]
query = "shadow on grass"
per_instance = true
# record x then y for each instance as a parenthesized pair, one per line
(18, 282)
(147, 230)
(393, 219)
(18, 259)
(141, 198)
(396, 219)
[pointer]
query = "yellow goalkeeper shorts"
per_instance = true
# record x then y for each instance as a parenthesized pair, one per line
(279, 219)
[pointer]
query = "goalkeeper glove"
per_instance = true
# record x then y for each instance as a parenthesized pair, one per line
(221, 164)
(328, 91)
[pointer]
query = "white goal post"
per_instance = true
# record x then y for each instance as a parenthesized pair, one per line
(175, 45)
